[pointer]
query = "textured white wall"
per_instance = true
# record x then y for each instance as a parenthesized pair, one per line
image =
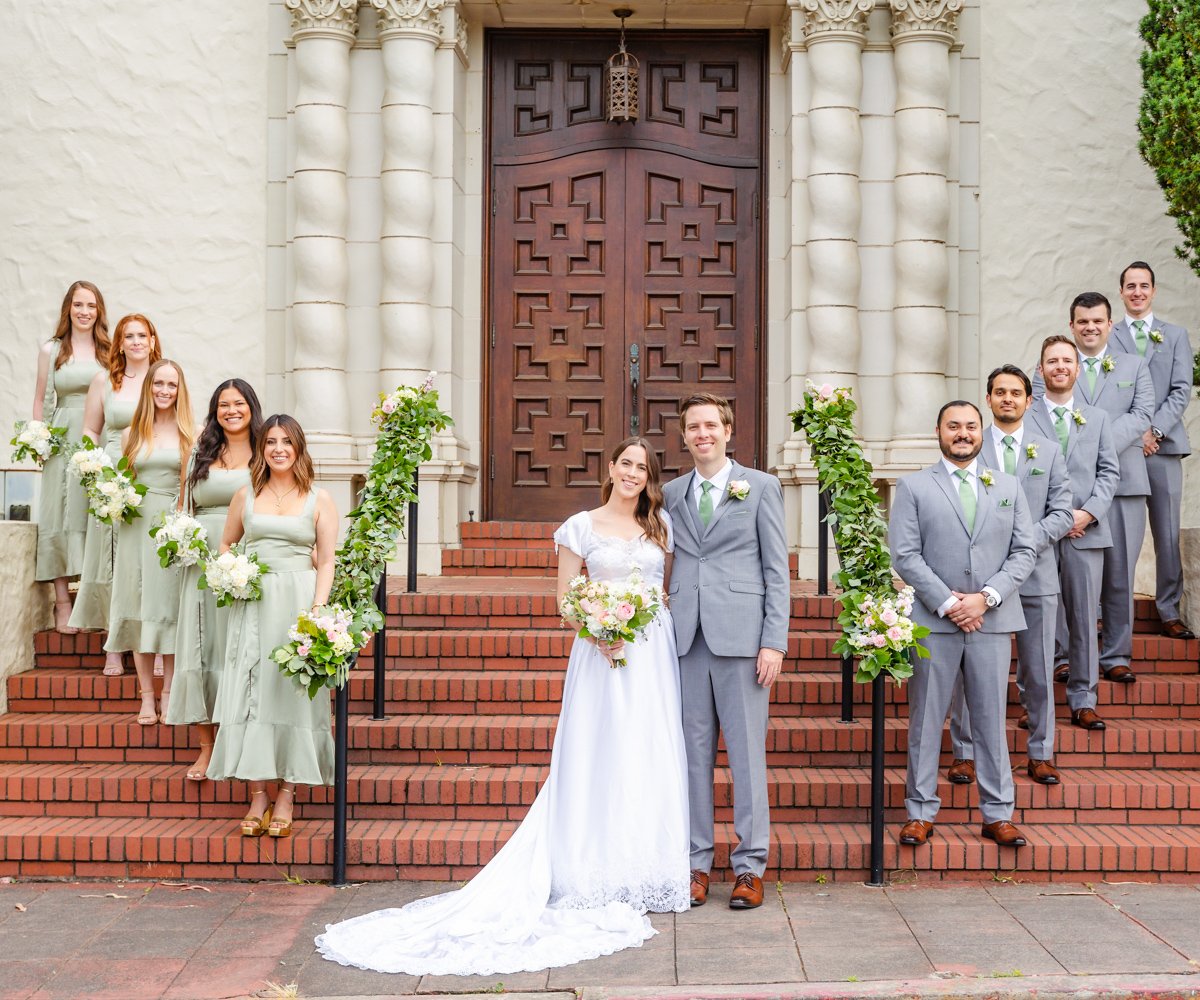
(1066, 199)
(134, 155)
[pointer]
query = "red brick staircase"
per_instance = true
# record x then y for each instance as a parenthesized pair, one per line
(475, 673)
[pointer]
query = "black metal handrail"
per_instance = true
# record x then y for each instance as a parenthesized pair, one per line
(412, 534)
(341, 725)
(379, 656)
(877, 697)
(822, 544)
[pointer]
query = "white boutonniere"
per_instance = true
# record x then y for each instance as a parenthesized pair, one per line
(987, 478)
(1108, 364)
(1078, 417)
(738, 489)
(1156, 336)
(1031, 451)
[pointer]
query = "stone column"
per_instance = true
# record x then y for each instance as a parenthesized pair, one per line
(323, 32)
(834, 34)
(409, 33)
(922, 33)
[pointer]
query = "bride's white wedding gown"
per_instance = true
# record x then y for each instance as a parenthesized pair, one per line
(605, 840)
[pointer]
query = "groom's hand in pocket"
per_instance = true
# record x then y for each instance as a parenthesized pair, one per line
(770, 663)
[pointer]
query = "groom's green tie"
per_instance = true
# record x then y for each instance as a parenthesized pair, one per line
(967, 496)
(706, 502)
(1139, 336)
(1060, 427)
(1091, 375)
(1010, 454)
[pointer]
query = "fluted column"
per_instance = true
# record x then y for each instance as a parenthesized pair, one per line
(323, 32)
(834, 34)
(922, 33)
(409, 33)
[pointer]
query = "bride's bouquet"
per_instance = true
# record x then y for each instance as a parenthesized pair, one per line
(233, 576)
(36, 440)
(182, 540)
(611, 611)
(114, 495)
(88, 461)
(322, 641)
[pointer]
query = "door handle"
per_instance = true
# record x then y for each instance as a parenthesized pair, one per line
(634, 380)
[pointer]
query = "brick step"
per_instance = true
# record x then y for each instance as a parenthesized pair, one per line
(427, 791)
(529, 692)
(527, 739)
(387, 850)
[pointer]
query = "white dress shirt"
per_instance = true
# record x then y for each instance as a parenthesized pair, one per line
(972, 481)
(998, 437)
(720, 481)
(1051, 407)
(1148, 319)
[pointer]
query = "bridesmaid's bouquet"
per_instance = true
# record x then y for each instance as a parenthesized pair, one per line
(611, 611)
(182, 540)
(322, 641)
(36, 441)
(114, 494)
(88, 461)
(233, 576)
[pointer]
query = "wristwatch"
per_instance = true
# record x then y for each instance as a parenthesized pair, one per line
(991, 599)
(1158, 435)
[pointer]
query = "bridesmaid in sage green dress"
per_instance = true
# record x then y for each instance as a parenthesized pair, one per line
(67, 363)
(219, 467)
(111, 400)
(268, 728)
(145, 597)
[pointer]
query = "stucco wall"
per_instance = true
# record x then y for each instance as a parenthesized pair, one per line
(134, 138)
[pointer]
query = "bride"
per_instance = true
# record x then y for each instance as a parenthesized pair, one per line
(606, 839)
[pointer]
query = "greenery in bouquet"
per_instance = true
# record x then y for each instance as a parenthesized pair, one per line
(320, 646)
(611, 611)
(233, 576)
(36, 441)
(181, 539)
(868, 593)
(114, 494)
(88, 460)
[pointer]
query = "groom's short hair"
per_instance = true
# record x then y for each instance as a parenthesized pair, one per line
(706, 399)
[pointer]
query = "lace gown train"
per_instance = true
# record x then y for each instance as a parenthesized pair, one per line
(605, 840)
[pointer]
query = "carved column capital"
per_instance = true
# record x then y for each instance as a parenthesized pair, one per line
(933, 19)
(843, 19)
(421, 18)
(328, 18)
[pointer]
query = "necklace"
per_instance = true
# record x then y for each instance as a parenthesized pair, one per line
(279, 498)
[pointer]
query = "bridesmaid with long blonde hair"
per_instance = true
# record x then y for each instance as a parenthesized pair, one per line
(111, 400)
(66, 365)
(145, 597)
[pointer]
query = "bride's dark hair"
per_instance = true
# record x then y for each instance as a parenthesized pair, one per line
(650, 500)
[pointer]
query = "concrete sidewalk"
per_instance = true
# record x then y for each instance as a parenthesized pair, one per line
(188, 941)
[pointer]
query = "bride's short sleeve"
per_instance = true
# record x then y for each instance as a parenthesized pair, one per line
(670, 531)
(570, 534)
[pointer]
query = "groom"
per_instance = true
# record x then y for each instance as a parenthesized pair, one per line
(730, 599)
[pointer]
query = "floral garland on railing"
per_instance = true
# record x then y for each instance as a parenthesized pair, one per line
(323, 641)
(876, 628)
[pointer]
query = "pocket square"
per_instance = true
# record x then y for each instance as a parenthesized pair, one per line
(1006, 502)
(1124, 385)
(1037, 472)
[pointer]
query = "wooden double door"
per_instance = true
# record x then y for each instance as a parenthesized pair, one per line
(625, 260)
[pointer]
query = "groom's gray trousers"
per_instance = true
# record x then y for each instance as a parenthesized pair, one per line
(723, 693)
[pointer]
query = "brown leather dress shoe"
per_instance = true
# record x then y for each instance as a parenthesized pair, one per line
(1043, 772)
(1120, 674)
(1086, 718)
(699, 887)
(1003, 833)
(961, 772)
(747, 892)
(1023, 721)
(1062, 674)
(915, 832)
(1173, 628)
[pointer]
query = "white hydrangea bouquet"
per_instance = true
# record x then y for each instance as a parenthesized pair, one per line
(182, 540)
(88, 461)
(322, 641)
(35, 440)
(114, 494)
(611, 611)
(233, 576)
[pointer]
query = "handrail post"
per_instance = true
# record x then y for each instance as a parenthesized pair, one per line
(847, 689)
(341, 726)
(877, 787)
(822, 543)
(412, 536)
(380, 654)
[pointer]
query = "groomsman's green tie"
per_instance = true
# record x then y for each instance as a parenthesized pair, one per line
(1010, 455)
(1060, 427)
(1139, 336)
(1091, 375)
(967, 496)
(706, 503)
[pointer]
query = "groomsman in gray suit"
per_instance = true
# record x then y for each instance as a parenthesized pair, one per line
(1168, 352)
(961, 537)
(1120, 385)
(1084, 436)
(1040, 466)
(731, 602)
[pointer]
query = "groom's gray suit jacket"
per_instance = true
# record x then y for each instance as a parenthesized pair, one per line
(732, 575)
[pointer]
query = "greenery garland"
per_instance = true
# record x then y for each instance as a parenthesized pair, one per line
(876, 629)
(1169, 116)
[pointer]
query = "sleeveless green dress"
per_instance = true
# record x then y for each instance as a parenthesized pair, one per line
(200, 634)
(269, 729)
(145, 597)
(95, 580)
(62, 505)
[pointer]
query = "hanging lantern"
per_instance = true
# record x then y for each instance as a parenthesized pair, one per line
(622, 79)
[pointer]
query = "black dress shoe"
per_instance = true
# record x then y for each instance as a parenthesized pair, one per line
(1062, 674)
